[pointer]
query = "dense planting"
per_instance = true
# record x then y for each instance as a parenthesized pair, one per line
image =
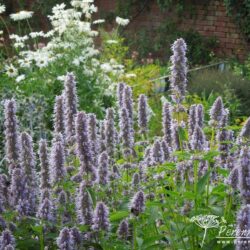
(108, 185)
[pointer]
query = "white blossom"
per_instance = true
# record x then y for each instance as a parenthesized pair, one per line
(21, 15)
(122, 21)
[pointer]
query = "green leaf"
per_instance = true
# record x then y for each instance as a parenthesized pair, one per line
(118, 215)
(202, 182)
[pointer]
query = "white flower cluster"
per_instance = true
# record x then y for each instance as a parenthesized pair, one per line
(2, 9)
(21, 15)
(70, 41)
(122, 21)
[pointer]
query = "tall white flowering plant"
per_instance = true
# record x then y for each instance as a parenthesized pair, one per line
(44, 58)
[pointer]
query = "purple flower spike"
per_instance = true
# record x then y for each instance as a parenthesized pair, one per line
(11, 134)
(200, 115)
(101, 218)
(27, 161)
(84, 151)
(198, 140)
(65, 240)
(244, 174)
(120, 94)
(57, 162)
(138, 203)
(123, 230)
(44, 164)
(143, 114)
(191, 120)
(46, 210)
(110, 132)
(178, 79)
(243, 227)
(167, 122)
(70, 98)
(157, 153)
(126, 132)
(103, 173)
(7, 240)
(84, 206)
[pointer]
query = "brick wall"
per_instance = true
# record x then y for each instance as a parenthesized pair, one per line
(210, 20)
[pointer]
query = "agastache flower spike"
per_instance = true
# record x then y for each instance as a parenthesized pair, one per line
(178, 79)
(143, 114)
(110, 132)
(44, 164)
(128, 102)
(65, 240)
(103, 164)
(167, 122)
(70, 106)
(57, 162)
(7, 240)
(123, 230)
(198, 140)
(46, 210)
(92, 135)
(125, 132)
(166, 150)
(245, 131)
(200, 115)
(176, 143)
(59, 121)
(191, 120)
(11, 134)
(120, 92)
(84, 206)
(138, 203)
(4, 199)
(157, 153)
(101, 218)
(243, 227)
(244, 174)
(84, 147)
(77, 238)
(102, 137)
(217, 112)
(27, 161)
(135, 180)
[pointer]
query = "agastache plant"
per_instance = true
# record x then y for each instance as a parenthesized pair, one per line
(12, 145)
(123, 230)
(126, 132)
(244, 174)
(92, 135)
(84, 205)
(178, 79)
(243, 227)
(120, 94)
(27, 162)
(65, 240)
(167, 122)
(101, 218)
(137, 205)
(57, 162)
(7, 240)
(191, 120)
(46, 210)
(44, 165)
(217, 113)
(103, 172)
(143, 114)
(199, 116)
(59, 120)
(110, 132)
(84, 151)
(70, 98)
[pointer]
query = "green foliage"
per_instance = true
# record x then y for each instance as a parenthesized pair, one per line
(240, 11)
(200, 48)
(235, 89)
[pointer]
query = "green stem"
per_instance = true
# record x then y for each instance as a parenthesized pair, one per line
(204, 236)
